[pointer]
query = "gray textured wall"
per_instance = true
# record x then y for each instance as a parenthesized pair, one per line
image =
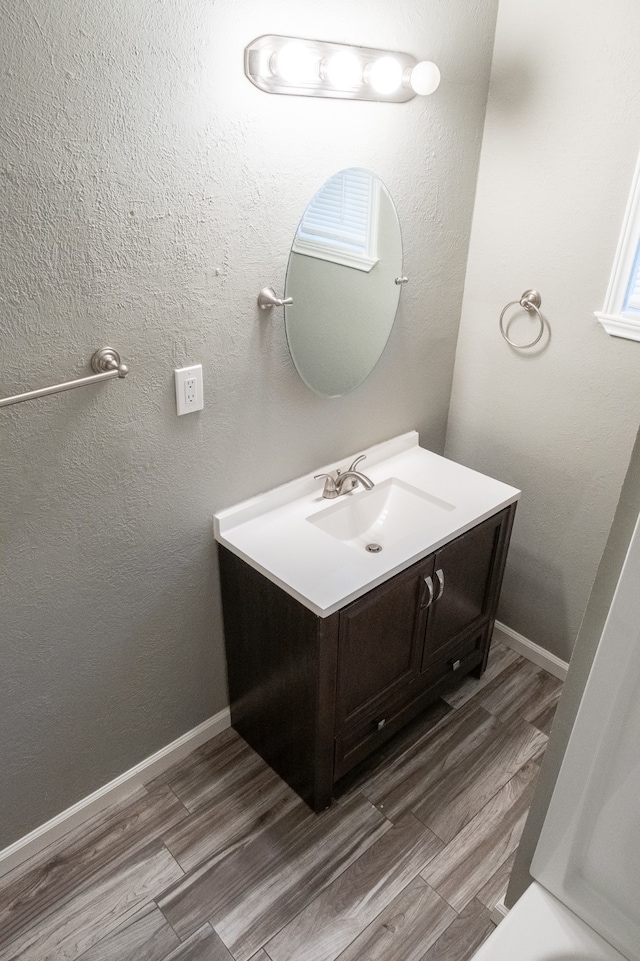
(148, 192)
(559, 151)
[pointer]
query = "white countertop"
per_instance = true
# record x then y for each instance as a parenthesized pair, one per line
(272, 533)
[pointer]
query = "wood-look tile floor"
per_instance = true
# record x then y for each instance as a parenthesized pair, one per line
(218, 860)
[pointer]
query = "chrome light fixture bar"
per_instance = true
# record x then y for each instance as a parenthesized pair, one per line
(315, 68)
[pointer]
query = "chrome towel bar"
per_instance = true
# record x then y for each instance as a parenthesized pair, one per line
(106, 363)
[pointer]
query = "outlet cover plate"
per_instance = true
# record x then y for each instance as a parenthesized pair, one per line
(189, 389)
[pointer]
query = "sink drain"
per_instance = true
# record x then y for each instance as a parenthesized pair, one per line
(373, 548)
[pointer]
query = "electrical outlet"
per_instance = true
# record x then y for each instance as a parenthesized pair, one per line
(189, 393)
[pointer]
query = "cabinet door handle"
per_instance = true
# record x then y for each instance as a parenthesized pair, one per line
(440, 576)
(381, 723)
(429, 582)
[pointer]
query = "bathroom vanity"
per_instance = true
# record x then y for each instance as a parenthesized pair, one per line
(331, 648)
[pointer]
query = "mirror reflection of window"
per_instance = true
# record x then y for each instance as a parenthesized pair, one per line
(341, 222)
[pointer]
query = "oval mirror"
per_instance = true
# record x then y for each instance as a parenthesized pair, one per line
(343, 266)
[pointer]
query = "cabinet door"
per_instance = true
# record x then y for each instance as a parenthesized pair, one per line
(380, 643)
(463, 578)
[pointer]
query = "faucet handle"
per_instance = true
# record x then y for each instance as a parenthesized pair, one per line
(330, 489)
(357, 461)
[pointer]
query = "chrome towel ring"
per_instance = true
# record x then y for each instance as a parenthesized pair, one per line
(531, 301)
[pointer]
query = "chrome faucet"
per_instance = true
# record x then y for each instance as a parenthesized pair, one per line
(345, 481)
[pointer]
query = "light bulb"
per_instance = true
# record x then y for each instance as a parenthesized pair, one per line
(295, 63)
(385, 75)
(343, 70)
(425, 77)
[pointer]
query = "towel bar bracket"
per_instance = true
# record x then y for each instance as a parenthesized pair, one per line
(106, 358)
(105, 362)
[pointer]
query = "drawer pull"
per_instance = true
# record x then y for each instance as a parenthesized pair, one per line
(440, 576)
(429, 582)
(455, 665)
(381, 723)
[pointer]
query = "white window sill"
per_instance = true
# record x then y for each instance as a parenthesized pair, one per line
(617, 326)
(334, 255)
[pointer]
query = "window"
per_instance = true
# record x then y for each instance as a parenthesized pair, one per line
(341, 222)
(620, 315)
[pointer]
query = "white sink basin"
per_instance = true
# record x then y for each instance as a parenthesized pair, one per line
(315, 549)
(380, 517)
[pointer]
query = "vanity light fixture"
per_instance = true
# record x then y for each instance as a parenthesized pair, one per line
(315, 68)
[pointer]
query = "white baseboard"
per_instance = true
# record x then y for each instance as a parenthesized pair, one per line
(121, 787)
(499, 912)
(532, 651)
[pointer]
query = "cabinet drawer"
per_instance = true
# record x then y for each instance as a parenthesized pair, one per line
(363, 738)
(368, 734)
(457, 660)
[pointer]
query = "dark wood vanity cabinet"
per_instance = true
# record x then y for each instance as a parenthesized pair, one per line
(314, 696)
